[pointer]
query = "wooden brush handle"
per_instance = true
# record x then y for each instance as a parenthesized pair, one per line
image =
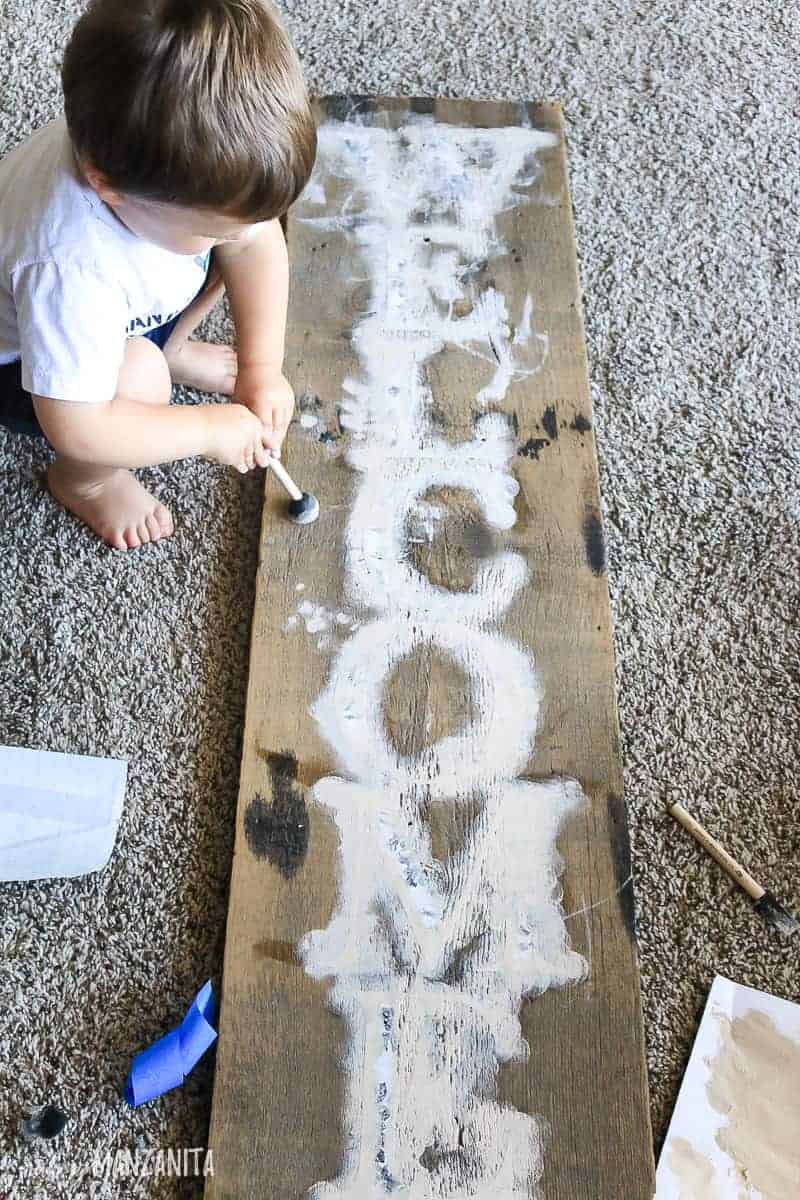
(285, 478)
(737, 872)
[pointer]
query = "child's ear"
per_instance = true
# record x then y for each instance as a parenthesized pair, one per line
(100, 184)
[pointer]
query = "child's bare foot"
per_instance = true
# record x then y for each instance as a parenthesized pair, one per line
(204, 366)
(110, 501)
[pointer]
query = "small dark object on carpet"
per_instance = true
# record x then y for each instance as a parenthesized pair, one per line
(45, 1121)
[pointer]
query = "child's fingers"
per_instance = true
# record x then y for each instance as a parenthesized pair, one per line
(263, 454)
(272, 440)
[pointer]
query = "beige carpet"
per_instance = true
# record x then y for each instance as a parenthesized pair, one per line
(684, 161)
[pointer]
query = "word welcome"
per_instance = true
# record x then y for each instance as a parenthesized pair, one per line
(431, 958)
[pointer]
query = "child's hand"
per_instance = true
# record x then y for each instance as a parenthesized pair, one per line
(237, 437)
(269, 395)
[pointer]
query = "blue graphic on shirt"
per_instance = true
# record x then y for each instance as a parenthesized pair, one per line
(153, 320)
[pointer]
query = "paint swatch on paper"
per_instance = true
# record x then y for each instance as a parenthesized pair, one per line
(166, 1064)
(735, 1133)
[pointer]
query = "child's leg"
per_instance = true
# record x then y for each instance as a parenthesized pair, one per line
(201, 365)
(110, 500)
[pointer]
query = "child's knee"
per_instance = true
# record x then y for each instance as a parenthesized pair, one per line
(144, 375)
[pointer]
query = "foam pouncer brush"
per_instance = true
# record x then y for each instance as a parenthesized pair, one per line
(303, 506)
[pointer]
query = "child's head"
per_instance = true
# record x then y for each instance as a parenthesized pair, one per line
(194, 111)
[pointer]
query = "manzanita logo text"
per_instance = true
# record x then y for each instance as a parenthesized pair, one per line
(147, 1164)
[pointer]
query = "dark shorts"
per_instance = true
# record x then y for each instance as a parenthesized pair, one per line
(16, 406)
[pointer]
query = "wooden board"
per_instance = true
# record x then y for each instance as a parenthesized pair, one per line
(408, 703)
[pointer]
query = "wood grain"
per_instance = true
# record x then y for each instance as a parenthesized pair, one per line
(277, 1117)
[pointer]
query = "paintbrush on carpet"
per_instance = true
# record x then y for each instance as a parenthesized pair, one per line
(764, 902)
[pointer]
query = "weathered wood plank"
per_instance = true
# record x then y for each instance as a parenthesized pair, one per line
(291, 1093)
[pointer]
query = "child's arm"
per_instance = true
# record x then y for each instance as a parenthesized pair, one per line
(256, 275)
(128, 433)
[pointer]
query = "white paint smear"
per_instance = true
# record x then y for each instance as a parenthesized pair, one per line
(430, 959)
(316, 618)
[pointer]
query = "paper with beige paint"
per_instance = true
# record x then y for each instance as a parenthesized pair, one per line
(735, 1132)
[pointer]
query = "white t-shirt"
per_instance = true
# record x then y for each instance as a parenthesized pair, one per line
(75, 282)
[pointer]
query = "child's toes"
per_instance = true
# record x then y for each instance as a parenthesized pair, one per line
(233, 369)
(153, 527)
(164, 518)
(115, 506)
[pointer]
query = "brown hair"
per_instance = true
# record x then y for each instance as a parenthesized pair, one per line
(194, 102)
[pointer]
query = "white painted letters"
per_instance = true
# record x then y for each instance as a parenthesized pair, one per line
(430, 960)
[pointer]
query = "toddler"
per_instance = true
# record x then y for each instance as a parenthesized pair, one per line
(186, 136)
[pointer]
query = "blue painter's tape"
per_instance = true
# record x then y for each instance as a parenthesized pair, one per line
(166, 1064)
